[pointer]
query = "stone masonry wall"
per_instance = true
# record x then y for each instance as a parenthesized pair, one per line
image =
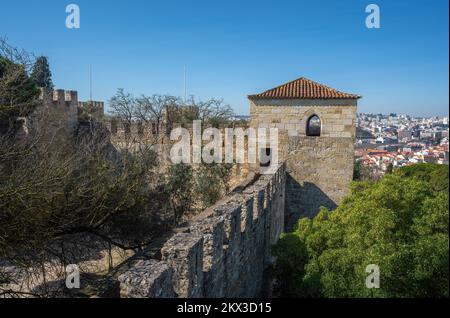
(61, 102)
(65, 103)
(224, 254)
(319, 169)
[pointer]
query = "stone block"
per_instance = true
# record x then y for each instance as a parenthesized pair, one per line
(147, 279)
(184, 254)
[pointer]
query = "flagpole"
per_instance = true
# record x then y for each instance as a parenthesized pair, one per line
(185, 84)
(90, 82)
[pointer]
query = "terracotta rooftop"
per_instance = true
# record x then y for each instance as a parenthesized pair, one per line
(303, 88)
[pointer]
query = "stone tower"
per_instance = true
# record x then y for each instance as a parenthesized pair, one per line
(62, 103)
(317, 128)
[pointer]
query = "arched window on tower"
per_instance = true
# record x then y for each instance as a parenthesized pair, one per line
(313, 126)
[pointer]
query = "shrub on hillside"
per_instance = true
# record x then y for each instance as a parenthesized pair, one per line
(399, 223)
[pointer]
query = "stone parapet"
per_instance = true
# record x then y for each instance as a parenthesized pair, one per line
(217, 256)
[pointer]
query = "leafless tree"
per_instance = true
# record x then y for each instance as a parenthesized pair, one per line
(56, 190)
(16, 56)
(123, 105)
(65, 197)
(212, 110)
(151, 109)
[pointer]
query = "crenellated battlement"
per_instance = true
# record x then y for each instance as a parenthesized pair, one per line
(59, 96)
(224, 254)
(62, 102)
(68, 100)
(66, 104)
(93, 108)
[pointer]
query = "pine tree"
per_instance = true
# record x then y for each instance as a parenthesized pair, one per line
(41, 73)
(18, 94)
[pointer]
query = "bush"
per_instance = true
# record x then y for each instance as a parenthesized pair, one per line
(399, 223)
(211, 182)
(179, 188)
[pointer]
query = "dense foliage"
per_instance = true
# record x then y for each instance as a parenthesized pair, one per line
(41, 73)
(18, 94)
(399, 223)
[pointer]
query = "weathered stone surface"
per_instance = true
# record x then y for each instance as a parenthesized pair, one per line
(231, 213)
(147, 279)
(319, 169)
(212, 230)
(223, 255)
(184, 254)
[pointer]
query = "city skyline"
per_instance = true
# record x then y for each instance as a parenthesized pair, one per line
(232, 50)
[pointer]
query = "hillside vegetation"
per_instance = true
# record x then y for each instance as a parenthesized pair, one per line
(73, 197)
(399, 223)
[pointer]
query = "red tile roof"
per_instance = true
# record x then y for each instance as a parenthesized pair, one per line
(303, 88)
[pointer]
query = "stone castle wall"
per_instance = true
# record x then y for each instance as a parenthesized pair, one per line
(93, 108)
(319, 169)
(227, 251)
(123, 135)
(66, 105)
(224, 254)
(61, 102)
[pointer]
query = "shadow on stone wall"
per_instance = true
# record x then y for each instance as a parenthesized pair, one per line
(226, 254)
(304, 201)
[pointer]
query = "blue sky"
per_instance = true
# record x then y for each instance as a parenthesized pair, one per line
(234, 48)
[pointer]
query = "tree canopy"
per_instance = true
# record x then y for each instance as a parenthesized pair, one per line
(399, 223)
(18, 93)
(41, 73)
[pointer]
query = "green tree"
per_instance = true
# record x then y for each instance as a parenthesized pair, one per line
(389, 168)
(211, 174)
(179, 188)
(41, 73)
(399, 223)
(18, 94)
(361, 172)
(357, 170)
(290, 269)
